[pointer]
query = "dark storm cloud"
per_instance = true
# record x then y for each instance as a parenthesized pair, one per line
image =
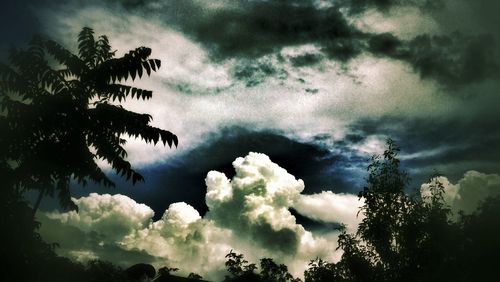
(250, 30)
(260, 27)
(254, 72)
(468, 50)
(447, 145)
(468, 16)
(453, 60)
(256, 28)
(359, 6)
(306, 59)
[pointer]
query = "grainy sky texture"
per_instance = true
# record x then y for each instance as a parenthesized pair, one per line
(313, 88)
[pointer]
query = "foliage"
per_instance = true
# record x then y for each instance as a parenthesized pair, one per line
(141, 271)
(481, 248)
(21, 244)
(401, 238)
(321, 271)
(61, 113)
(167, 270)
(405, 238)
(272, 272)
(29, 258)
(105, 271)
(241, 270)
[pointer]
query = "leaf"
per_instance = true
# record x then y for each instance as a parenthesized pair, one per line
(146, 66)
(139, 70)
(132, 74)
(152, 64)
(158, 63)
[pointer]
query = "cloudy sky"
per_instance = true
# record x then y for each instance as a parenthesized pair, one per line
(311, 88)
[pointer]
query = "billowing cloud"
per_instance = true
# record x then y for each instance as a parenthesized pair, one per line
(114, 215)
(468, 192)
(255, 202)
(93, 232)
(331, 207)
(249, 213)
(184, 240)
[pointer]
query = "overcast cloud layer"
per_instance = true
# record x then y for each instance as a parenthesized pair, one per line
(284, 65)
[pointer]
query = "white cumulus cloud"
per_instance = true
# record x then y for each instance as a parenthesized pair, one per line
(248, 213)
(466, 195)
(331, 207)
(113, 215)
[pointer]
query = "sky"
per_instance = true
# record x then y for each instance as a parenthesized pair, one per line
(278, 107)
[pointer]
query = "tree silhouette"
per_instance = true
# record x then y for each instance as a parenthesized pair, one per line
(243, 271)
(239, 268)
(21, 246)
(481, 244)
(321, 271)
(61, 113)
(272, 272)
(194, 276)
(386, 204)
(401, 237)
(141, 272)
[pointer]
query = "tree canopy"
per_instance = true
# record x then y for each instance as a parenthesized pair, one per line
(61, 112)
(405, 237)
